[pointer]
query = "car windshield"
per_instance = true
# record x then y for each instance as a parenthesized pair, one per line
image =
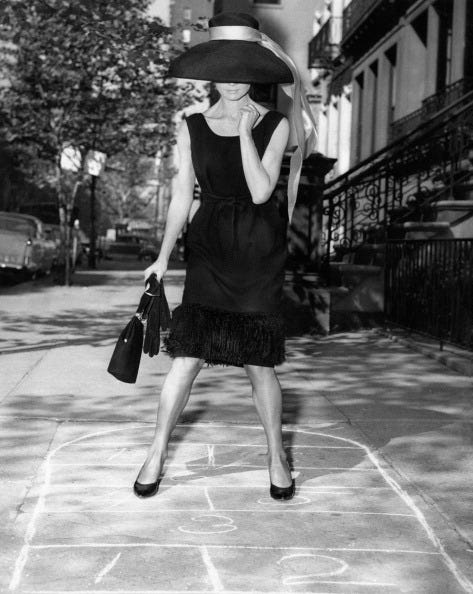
(17, 225)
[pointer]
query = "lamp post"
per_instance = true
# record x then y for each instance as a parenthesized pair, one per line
(94, 163)
(71, 160)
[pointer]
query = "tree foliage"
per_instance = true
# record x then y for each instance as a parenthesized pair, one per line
(85, 73)
(89, 73)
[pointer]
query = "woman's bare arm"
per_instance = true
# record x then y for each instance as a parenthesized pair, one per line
(262, 174)
(181, 201)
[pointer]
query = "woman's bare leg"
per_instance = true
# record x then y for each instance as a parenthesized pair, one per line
(268, 401)
(174, 396)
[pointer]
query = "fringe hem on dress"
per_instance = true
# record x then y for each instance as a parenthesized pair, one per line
(222, 337)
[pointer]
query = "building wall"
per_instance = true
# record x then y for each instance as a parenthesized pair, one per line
(335, 114)
(161, 9)
(392, 80)
(290, 23)
(185, 12)
(181, 13)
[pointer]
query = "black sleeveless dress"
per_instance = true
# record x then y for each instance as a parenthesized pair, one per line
(231, 307)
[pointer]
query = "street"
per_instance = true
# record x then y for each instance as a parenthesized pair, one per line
(379, 437)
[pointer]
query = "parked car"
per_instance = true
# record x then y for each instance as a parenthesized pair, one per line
(24, 245)
(101, 248)
(126, 245)
(149, 250)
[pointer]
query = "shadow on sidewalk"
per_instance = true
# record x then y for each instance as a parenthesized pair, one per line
(67, 328)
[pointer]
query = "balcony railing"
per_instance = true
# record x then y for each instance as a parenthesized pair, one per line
(371, 19)
(356, 12)
(324, 47)
(430, 107)
(447, 96)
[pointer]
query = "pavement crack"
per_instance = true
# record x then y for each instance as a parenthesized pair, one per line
(429, 502)
(31, 479)
(335, 406)
(24, 376)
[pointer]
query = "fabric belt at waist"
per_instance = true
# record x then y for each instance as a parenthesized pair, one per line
(232, 201)
(208, 197)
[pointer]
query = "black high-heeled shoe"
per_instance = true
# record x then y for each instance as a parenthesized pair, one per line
(283, 493)
(146, 489)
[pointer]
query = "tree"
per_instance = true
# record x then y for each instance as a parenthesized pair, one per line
(89, 74)
(129, 186)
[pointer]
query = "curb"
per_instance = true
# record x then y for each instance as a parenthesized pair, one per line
(461, 362)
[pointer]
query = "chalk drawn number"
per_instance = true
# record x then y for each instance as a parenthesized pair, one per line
(209, 524)
(317, 565)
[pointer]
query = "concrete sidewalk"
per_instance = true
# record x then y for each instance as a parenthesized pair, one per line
(379, 436)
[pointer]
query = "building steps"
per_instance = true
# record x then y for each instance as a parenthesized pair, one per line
(419, 230)
(357, 275)
(458, 214)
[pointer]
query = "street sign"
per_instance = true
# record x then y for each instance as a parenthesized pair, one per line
(71, 159)
(94, 162)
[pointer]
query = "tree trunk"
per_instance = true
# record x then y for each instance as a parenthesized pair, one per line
(93, 230)
(63, 273)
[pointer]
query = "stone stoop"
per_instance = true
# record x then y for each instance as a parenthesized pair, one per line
(453, 220)
(458, 214)
(354, 301)
(356, 296)
(427, 230)
(306, 305)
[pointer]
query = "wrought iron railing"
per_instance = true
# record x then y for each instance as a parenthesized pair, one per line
(429, 288)
(447, 96)
(366, 21)
(430, 106)
(324, 47)
(404, 125)
(383, 15)
(405, 178)
(355, 12)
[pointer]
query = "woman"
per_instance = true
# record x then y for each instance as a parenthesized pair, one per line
(230, 312)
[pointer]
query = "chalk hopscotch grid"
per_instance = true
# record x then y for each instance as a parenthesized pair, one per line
(206, 559)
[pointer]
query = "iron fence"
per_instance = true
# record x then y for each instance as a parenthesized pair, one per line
(429, 288)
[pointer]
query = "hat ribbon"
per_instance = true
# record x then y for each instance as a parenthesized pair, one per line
(302, 117)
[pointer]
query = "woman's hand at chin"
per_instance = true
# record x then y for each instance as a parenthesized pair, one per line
(158, 268)
(249, 115)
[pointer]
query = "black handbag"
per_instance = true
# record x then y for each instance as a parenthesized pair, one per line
(153, 310)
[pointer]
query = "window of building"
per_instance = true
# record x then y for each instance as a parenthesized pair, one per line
(360, 83)
(391, 57)
(187, 14)
(374, 103)
(444, 54)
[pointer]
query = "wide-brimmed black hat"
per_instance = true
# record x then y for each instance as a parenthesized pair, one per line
(233, 54)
